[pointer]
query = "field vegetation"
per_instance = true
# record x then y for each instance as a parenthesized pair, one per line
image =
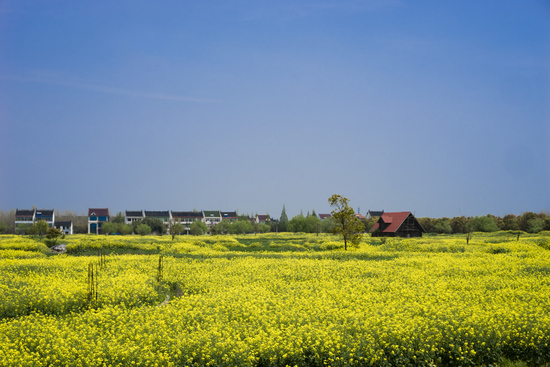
(276, 300)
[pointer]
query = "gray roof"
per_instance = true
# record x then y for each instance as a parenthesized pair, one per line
(134, 213)
(157, 214)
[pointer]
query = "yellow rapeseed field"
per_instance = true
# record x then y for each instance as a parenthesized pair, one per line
(277, 300)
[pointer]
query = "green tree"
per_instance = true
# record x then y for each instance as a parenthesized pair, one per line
(224, 226)
(41, 227)
(442, 225)
(242, 227)
(535, 225)
(346, 223)
(482, 224)
(427, 223)
(524, 219)
(52, 234)
(108, 228)
(3, 228)
(283, 221)
(125, 229)
(510, 222)
(176, 228)
(312, 224)
(119, 218)
(327, 225)
(156, 225)
(459, 224)
(143, 229)
(264, 227)
(198, 228)
(297, 224)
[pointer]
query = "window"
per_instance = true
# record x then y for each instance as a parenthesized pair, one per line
(93, 218)
(103, 219)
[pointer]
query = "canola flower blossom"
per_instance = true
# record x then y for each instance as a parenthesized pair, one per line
(419, 302)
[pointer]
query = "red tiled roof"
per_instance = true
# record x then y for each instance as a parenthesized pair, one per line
(360, 216)
(323, 216)
(100, 212)
(262, 217)
(393, 219)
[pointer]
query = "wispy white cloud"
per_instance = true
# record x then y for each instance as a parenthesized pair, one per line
(105, 89)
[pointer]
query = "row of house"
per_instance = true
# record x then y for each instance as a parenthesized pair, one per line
(402, 224)
(98, 216)
(28, 217)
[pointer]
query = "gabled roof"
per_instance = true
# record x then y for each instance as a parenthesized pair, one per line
(212, 213)
(393, 219)
(229, 214)
(263, 217)
(136, 213)
(186, 214)
(375, 213)
(157, 214)
(360, 216)
(98, 212)
(64, 224)
(24, 213)
(324, 216)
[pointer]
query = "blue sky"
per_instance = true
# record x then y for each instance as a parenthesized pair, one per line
(437, 107)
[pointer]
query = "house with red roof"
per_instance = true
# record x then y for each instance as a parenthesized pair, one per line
(397, 224)
(96, 217)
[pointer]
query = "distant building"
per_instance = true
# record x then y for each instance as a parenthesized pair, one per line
(212, 217)
(186, 218)
(163, 215)
(398, 224)
(324, 216)
(96, 217)
(133, 216)
(64, 227)
(46, 215)
(28, 217)
(230, 216)
(24, 218)
(374, 213)
(261, 218)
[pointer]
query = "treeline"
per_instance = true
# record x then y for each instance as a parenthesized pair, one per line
(528, 222)
(309, 223)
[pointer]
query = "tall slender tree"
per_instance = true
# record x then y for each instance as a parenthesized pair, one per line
(283, 221)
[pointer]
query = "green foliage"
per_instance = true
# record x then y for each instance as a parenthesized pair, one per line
(442, 225)
(41, 227)
(156, 225)
(535, 225)
(108, 228)
(28, 229)
(327, 225)
(176, 228)
(224, 227)
(482, 224)
(283, 221)
(198, 228)
(119, 218)
(143, 229)
(264, 228)
(346, 223)
(241, 227)
(3, 227)
(53, 232)
(125, 229)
